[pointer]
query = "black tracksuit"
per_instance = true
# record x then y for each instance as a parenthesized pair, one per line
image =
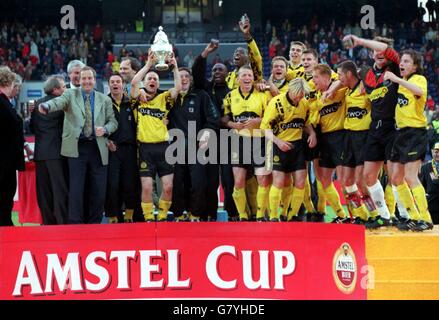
(431, 184)
(51, 167)
(190, 187)
(217, 93)
(123, 175)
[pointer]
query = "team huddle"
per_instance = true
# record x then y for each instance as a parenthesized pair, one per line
(355, 124)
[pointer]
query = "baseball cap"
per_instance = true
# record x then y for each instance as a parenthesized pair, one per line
(436, 146)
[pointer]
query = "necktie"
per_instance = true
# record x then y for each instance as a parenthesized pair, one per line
(88, 129)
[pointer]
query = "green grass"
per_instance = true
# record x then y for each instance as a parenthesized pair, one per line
(17, 224)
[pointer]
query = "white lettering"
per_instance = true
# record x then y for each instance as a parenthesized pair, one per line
(122, 267)
(98, 271)
(280, 271)
(212, 267)
(264, 278)
(27, 266)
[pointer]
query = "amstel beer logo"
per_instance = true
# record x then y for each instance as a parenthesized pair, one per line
(344, 268)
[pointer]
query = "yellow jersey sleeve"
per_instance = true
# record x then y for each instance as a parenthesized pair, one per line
(270, 114)
(255, 59)
(409, 111)
(227, 104)
(232, 80)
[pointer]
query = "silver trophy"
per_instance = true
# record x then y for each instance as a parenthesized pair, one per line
(162, 50)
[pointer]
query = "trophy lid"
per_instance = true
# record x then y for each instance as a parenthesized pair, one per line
(161, 37)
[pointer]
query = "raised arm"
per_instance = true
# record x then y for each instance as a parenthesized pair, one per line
(389, 53)
(135, 83)
(418, 91)
(253, 51)
(177, 80)
(200, 66)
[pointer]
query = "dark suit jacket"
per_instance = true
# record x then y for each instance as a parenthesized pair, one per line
(11, 136)
(48, 132)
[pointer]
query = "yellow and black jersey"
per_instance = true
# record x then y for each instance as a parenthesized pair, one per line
(286, 119)
(294, 72)
(410, 108)
(283, 88)
(332, 112)
(312, 97)
(255, 62)
(313, 91)
(240, 107)
(150, 116)
(358, 109)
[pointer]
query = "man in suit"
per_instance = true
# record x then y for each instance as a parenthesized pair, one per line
(11, 146)
(89, 119)
(51, 167)
(73, 70)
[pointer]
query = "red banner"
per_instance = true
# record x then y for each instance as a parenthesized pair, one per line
(183, 260)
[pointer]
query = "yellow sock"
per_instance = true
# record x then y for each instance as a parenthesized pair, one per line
(334, 200)
(148, 209)
(321, 202)
(251, 189)
(163, 210)
(307, 201)
(275, 198)
(360, 212)
(262, 199)
(390, 200)
(240, 202)
(296, 202)
(128, 217)
(421, 202)
(287, 192)
(406, 198)
(112, 220)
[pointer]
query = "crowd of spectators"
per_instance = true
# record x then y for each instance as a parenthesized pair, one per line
(36, 52)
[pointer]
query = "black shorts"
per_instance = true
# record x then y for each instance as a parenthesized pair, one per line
(410, 145)
(289, 161)
(353, 150)
(312, 153)
(152, 160)
(250, 153)
(331, 149)
(380, 140)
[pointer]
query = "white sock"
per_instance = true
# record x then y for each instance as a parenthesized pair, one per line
(351, 189)
(402, 210)
(376, 193)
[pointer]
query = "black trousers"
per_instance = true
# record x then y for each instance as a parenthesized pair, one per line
(435, 216)
(212, 176)
(189, 190)
(89, 165)
(8, 186)
(52, 191)
(122, 180)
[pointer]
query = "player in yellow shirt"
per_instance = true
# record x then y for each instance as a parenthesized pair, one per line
(332, 112)
(243, 111)
(286, 117)
(408, 150)
(296, 68)
(310, 60)
(242, 57)
(277, 83)
(356, 124)
(152, 135)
